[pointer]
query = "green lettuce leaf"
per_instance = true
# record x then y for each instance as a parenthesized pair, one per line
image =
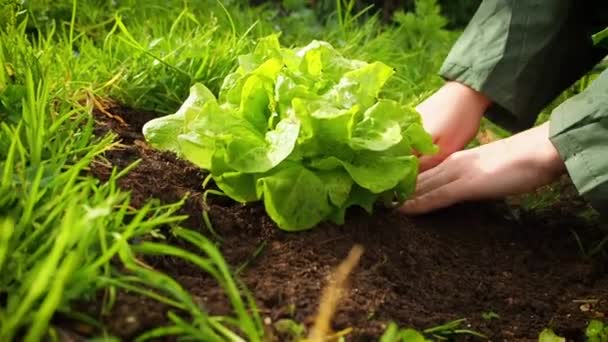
(361, 86)
(338, 184)
(420, 140)
(196, 148)
(380, 127)
(294, 197)
(372, 171)
(237, 185)
(358, 196)
(248, 151)
(162, 132)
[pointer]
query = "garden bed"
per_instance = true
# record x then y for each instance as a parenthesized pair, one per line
(509, 275)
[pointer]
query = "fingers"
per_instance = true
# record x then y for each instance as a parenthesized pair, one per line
(429, 162)
(440, 186)
(434, 178)
(437, 198)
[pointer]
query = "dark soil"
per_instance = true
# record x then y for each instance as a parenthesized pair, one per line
(461, 262)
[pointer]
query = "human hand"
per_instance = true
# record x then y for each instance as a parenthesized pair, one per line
(452, 116)
(514, 165)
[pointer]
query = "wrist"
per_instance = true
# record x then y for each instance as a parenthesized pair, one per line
(552, 159)
(455, 98)
(471, 100)
(540, 152)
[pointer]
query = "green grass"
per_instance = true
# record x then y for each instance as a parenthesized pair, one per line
(65, 235)
(60, 227)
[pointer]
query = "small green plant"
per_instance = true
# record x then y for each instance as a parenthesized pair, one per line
(301, 129)
(290, 329)
(441, 332)
(548, 335)
(597, 331)
(490, 315)
(394, 334)
(601, 37)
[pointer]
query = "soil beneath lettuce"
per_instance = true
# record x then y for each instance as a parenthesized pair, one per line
(468, 261)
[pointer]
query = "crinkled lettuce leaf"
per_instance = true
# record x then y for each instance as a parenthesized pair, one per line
(303, 130)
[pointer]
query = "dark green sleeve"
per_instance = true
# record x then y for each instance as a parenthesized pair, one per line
(579, 131)
(522, 54)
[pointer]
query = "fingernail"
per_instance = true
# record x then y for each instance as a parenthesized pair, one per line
(406, 207)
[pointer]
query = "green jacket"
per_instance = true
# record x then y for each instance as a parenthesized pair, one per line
(522, 54)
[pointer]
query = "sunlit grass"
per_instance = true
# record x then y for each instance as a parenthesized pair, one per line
(60, 227)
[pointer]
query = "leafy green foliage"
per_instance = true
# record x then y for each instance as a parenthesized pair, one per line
(394, 334)
(548, 335)
(441, 332)
(59, 226)
(301, 129)
(490, 315)
(597, 331)
(601, 37)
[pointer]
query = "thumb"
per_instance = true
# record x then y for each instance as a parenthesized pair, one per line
(428, 162)
(442, 197)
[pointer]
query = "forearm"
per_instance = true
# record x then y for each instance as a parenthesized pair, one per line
(522, 54)
(470, 102)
